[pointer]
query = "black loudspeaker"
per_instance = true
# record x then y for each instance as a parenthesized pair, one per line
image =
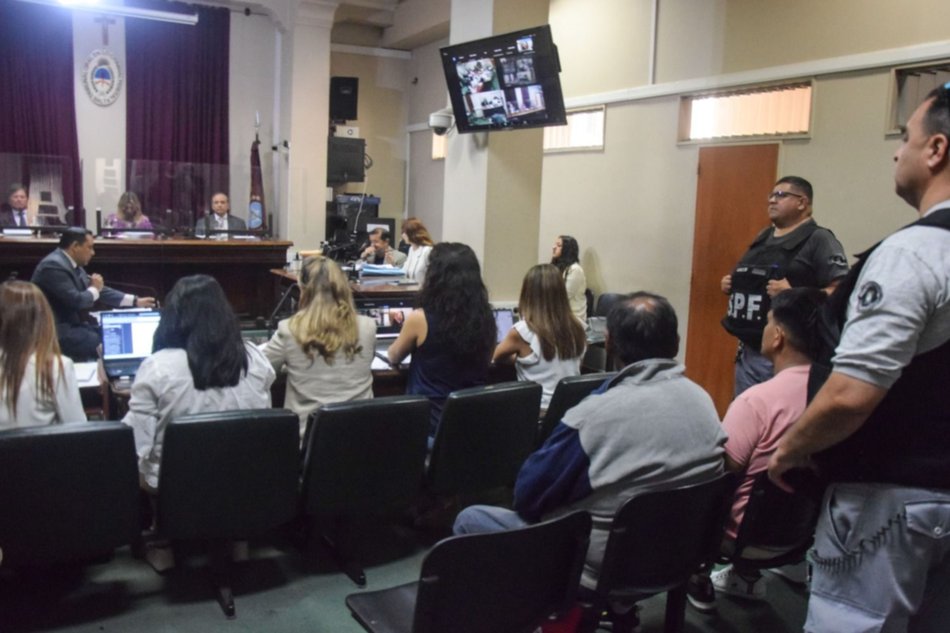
(344, 92)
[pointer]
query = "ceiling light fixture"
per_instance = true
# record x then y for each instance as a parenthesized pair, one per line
(93, 6)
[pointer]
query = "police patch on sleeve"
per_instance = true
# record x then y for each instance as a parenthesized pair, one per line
(839, 260)
(870, 295)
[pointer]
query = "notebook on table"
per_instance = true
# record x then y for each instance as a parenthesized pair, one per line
(127, 340)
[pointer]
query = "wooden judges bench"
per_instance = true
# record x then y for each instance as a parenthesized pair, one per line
(142, 267)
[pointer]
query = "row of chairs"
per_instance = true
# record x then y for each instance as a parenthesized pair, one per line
(71, 492)
(513, 581)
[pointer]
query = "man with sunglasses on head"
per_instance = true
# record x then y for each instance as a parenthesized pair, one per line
(879, 428)
(793, 252)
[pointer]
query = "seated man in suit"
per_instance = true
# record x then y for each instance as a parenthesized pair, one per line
(220, 219)
(71, 293)
(14, 212)
(649, 428)
(380, 250)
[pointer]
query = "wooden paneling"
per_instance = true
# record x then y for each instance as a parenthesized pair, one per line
(153, 266)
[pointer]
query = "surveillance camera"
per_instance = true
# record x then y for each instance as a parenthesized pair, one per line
(441, 121)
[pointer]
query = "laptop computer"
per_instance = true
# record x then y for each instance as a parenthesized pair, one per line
(504, 321)
(389, 315)
(127, 340)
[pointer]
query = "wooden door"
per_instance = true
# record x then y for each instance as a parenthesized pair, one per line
(731, 208)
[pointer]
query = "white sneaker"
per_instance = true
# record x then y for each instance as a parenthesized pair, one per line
(796, 574)
(729, 582)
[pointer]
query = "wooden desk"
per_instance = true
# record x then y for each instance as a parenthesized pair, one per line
(366, 287)
(141, 266)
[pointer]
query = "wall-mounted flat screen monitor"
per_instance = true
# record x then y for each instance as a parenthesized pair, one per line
(505, 82)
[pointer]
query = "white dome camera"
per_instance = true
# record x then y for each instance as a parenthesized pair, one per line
(441, 121)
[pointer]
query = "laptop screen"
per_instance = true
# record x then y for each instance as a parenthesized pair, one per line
(128, 334)
(389, 314)
(504, 321)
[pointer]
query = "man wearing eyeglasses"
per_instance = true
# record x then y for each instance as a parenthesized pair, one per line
(879, 428)
(793, 252)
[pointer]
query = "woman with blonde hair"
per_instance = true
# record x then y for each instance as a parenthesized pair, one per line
(37, 384)
(129, 214)
(420, 246)
(326, 347)
(547, 344)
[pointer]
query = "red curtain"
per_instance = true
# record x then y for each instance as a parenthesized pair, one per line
(177, 106)
(36, 90)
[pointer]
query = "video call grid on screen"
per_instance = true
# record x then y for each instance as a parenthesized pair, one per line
(128, 335)
(388, 315)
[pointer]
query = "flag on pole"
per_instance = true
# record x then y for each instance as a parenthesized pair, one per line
(255, 208)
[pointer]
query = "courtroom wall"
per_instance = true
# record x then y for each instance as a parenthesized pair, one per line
(426, 93)
(762, 33)
(253, 79)
(382, 123)
(631, 206)
(252, 82)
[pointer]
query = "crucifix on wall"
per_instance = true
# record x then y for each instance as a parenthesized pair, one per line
(105, 21)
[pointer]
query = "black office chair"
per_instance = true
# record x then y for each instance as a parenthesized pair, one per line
(484, 436)
(568, 393)
(589, 296)
(502, 582)
(67, 492)
(657, 541)
(226, 476)
(777, 527)
(605, 302)
(363, 459)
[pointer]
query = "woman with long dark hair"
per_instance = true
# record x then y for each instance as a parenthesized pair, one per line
(566, 256)
(199, 363)
(326, 348)
(420, 249)
(451, 333)
(548, 342)
(37, 384)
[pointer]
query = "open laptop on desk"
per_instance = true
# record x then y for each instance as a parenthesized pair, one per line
(126, 340)
(504, 321)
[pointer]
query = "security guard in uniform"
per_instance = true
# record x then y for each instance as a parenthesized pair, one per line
(793, 252)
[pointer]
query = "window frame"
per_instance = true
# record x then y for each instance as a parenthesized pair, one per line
(685, 114)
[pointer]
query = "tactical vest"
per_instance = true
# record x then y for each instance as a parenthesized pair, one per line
(749, 302)
(906, 439)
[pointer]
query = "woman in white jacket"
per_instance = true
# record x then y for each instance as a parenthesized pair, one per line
(37, 383)
(420, 246)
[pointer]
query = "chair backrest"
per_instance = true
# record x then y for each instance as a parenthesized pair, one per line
(779, 520)
(658, 539)
(365, 457)
(484, 436)
(502, 582)
(605, 302)
(568, 394)
(589, 296)
(67, 492)
(228, 474)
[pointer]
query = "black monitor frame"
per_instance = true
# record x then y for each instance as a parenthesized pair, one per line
(505, 82)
